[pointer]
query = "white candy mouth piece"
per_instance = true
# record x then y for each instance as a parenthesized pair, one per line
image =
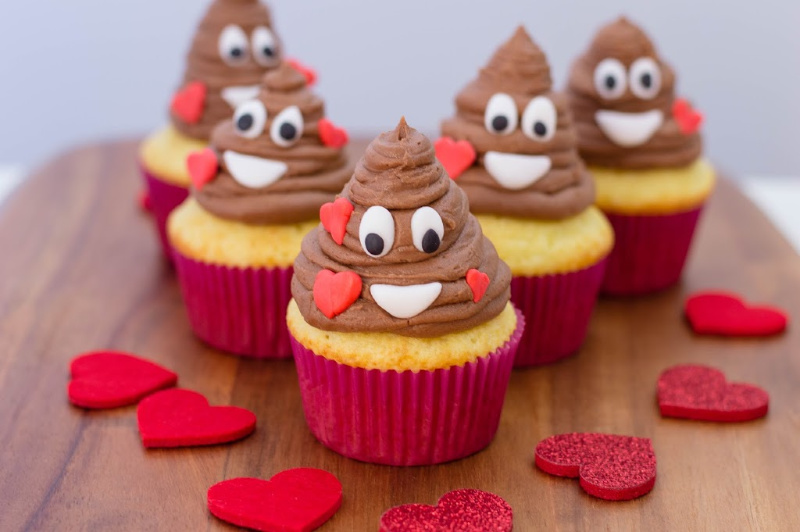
(629, 129)
(514, 171)
(405, 301)
(253, 172)
(237, 95)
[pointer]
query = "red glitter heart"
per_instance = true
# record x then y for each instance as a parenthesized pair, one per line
(725, 314)
(454, 156)
(478, 282)
(183, 418)
(188, 103)
(688, 119)
(335, 292)
(330, 135)
(203, 166)
(295, 500)
(108, 379)
(611, 467)
(462, 510)
(702, 393)
(307, 72)
(334, 217)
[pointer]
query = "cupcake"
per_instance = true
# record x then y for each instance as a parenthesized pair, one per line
(233, 47)
(401, 325)
(255, 192)
(643, 148)
(512, 148)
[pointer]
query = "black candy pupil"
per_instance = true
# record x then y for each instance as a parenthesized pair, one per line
(540, 129)
(430, 241)
(288, 132)
(244, 122)
(236, 52)
(269, 52)
(374, 244)
(611, 82)
(647, 80)
(499, 123)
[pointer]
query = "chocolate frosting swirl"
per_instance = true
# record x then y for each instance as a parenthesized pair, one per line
(315, 172)
(205, 64)
(668, 146)
(519, 68)
(399, 171)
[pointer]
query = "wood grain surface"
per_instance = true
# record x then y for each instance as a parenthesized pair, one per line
(81, 270)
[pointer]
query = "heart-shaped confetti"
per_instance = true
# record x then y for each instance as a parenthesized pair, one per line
(466, 510)
(334, 216)
(331, 135)
(335, 292)
(307, 72)
(108, 379)
(295, 500)
(689, 120)
(183, 418)
(454, 156)
(203, 166)
(478, 282)
(726, 314)
(702, 393)
(611, 467)
(188, 103)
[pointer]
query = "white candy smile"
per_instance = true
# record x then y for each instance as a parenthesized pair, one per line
(629, 129)
(239, 94)
(515, 171)
(405, 301)
(253, 172)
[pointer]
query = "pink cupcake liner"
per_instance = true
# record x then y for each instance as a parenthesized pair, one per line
(164, 197)
(557, 311)
(649, 252)
(405, 418)
(237, 310)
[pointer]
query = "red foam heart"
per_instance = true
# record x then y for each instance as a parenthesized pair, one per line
(461, 510)
(454, 156)
(611, 467)
(295, 500)
(308, 72)
(702, 393)
(688, 119)
(203, 166)
(183, 418)
(330, 135)
(188, 102)
(335, 292)
(334, 217)
(726, 314)
(108, 379)
(478, 282)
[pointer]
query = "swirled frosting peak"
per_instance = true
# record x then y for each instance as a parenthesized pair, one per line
(412, 261)
(526, 162)
(622, 95)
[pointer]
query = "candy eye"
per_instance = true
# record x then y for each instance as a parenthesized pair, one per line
(287, 128)
(233, 45)
(376, 231)
(539, 119)
(609, 79)
(501, 114)
(427, 229)
(645, 78)
(265, 47)
(249, 119)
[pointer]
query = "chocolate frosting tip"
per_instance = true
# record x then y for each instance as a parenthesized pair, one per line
(284, 78)
(403, 130)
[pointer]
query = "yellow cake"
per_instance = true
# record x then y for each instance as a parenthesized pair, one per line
(164, 154)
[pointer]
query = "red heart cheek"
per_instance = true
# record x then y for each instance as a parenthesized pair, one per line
(456, 157)
(203, 167)
(335, 292)
(335, 216)
(188, 103)
(330, 135)
(478, 282)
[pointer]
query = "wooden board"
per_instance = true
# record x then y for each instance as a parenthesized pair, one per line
(81, 270)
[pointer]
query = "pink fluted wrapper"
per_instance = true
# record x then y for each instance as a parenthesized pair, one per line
(405, 418)
(557, 311)
(238, 310)
(649, 252)
(164, 198)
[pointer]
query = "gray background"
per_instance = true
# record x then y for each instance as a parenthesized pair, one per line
(76, 71)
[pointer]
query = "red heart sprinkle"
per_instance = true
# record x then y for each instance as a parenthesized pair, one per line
(688, 119)
(334, 217)
(307, 72)
(479, 282)
(145, 202)
(702, 393)
(330, 135)
(726, 314)
(183, 418)
(203, 166)
(462, 510)
(187, 104)
(454, 156)
(295, 500)
(611, 467)
(108, 379)
(335, 292)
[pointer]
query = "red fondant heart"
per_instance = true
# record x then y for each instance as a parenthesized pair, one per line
(183, 418)
(108, 379)
(330, 135)
(188, 103)
(295, 500)
(454, 156)
(611, 467)
(335, 292)
(203, 166)
(688, 119)
(702, 393)
(307, 72)
(478, 282)
(463, 510)
(334, 217)
(726, 314)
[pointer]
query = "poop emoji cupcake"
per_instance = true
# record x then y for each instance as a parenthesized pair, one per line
(643, 148)
(401, 325)
(512, 148)
(255, 192)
